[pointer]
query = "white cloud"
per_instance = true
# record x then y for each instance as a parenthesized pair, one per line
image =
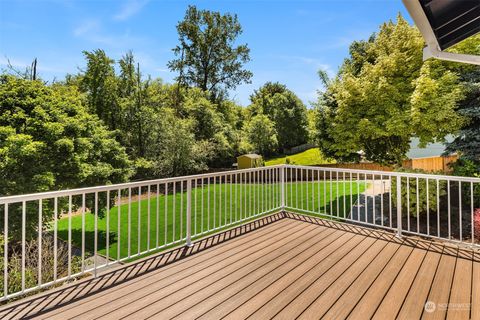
(86, 27)
(130, 8)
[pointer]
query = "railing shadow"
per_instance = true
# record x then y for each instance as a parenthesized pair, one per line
(50, 300)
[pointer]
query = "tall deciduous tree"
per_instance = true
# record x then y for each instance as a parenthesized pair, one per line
(384, 95)
(49, 140)
(285, 110)
(100, 83)
(208, 56)
(260, 135)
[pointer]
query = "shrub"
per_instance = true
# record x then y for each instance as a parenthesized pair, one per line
(476, 223)
(409, 196)
(31, 263)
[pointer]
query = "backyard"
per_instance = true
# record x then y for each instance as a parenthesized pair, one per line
(308, 157)
(212, 205)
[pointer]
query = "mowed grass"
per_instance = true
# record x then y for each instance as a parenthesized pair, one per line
(306, 158)
(213, 207)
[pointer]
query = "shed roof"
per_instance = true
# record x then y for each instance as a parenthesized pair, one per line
(250, 155)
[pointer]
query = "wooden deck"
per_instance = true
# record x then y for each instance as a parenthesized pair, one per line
(284, 266)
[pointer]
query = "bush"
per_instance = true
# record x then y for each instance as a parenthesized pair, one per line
(31, 263)
(409, 196)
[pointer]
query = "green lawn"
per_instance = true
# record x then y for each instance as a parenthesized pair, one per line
(222, 204)
(307, 158)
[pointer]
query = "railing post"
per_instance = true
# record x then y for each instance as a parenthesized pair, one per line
(282, 187)
(189, 213)
(399, 205)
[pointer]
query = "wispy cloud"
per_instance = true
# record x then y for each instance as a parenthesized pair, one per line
(130, 8)
(86, 27)
(93, 31)
(315, 64)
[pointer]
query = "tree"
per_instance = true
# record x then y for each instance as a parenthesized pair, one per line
(285, 110)
(207, 55)
(467, 141)
(49, 141)
(384, 95)
(100, 84)
(261, 135)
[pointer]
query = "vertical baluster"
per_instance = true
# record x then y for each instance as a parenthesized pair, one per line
(201, 213)
(208, 203)
(40, 231)
(418, 204)
(438, 208)
(165, 215)
(381, 199)
(107, 249)
(139, 221)
(214, 201)
(157, 220)
(95, 239)
(5, 252)
(119, 205)
(55, 241)
(472, 214)
(148, 217)
(448, 208)
(181, 210)
(365, 183)
(408, 203)
(344, 197)
(428, 206)
(69, 236)
(331, 194)
(83, 232)
(174, 209)
(390, 202)
(129, 229)
(460, 209)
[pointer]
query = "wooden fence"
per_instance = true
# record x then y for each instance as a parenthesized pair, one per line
(431, 164)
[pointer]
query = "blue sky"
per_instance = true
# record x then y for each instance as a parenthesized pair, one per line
(289, 40)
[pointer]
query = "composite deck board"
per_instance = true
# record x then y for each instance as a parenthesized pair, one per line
(283, 266)
(186, 294)
(461, 290)
(440, 290)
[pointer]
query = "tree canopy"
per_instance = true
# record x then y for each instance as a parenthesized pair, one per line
(384, 95)
(286, 111)
(208, 57)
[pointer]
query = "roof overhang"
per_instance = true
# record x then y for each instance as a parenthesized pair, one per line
(443, 23)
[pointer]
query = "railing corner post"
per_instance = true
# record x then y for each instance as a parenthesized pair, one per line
(399, 206)
(189, 213)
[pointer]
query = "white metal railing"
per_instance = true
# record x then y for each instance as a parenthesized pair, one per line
(54, 236)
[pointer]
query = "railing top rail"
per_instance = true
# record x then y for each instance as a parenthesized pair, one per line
(104, 188)
(392, 173)
(110, 187)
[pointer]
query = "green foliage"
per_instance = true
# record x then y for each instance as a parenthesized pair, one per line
(467, 141)
(100, 83)
(260, 135)
(208, 57)
(383, 96)
(411, 199)
(49, 140)
(285, 110)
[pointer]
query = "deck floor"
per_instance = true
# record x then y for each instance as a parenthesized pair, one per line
(284, 266)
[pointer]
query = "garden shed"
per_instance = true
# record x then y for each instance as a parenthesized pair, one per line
(250, 160)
